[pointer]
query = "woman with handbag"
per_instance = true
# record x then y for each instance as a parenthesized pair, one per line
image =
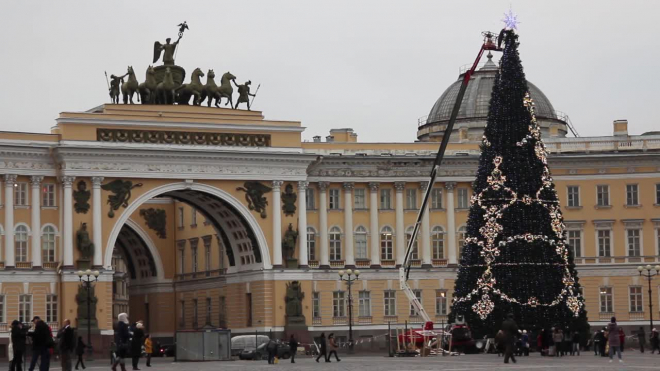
(122, 339)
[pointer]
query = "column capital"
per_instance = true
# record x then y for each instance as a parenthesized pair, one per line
(323, 186)
(36, 180)
(10, 180)
(96, 181)
(424, 186)
(277, 184)
(67, 181)
(303, 184)
(399, 186)
(348, 186)
(374, 186)
(450, 186)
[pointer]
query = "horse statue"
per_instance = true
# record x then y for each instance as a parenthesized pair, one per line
(226, 89)
(147, 89)
(130, 87)
(210, 90)
(195, 88)
(165, 91)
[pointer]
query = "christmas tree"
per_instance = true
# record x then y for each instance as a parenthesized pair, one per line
(515, 259)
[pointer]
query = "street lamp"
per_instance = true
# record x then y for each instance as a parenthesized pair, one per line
(86, 279)
(351, 276)
(442, 325)
(649, 275)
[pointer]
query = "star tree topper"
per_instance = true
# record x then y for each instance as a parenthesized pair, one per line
(510, 20)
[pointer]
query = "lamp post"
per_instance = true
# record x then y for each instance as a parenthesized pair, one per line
(649, 275)
(86, 279)
(350, 277)
(442, 325)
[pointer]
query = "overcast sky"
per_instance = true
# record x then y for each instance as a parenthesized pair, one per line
(375, 66)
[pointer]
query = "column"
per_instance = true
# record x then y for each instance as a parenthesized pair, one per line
(67, 235)
(348, 225)
(277, 224)
(324, 260)
(426, 231)
(400, 229)
(373, 225)
(97, 221)
(451, 224)
(10, 181)
(302, 224)
(35, 221)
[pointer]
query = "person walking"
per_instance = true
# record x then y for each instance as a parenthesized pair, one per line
(66, 339)
(332, 344)
(525, 343)
(136, 344)
(596, 341)
(603, 343)
(540, 341)
(148, 348)
(641, 336)
(655, 341)
(42, 343)
(293, 348)
(122, 341)
(510, 329)
(614, 339)
(622, 338)
(80, 351)
(271, 347)
(17, 338)
(557, 338)
(576, 344)
(323, 349)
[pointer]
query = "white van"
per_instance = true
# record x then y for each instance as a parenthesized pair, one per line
(238, 343)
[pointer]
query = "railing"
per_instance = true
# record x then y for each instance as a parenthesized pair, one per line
(54, 325)
(388, 263)
(339, 321)
(441, 318)
(4, 327)
(363, 263)
(2, 264)
(439, 262)
(587, 260)
(313, 263)
(364, 320)
(415, 263)
(392, 319)
(201, 274)
(50, 265)
(415, 319)
(636, 316)
(23, 265)
(605, 316)
(336, 264)
(316, 321)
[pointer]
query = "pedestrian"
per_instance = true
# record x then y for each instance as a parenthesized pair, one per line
(622, 338)
(557, 338)
(136, 344)
(42, 343)
(603, 343)
(614, 339)
(271, 347)
(323, 349)
(148, 348)
(539, 342)
(641, 336)
(80, 351)
(122, 341)
(655, 341)
(576, 344)
(525, 343)
(67, 345)
(293, 348)
(332, 344)
(510, 329)
(596, 341)
(17, 341)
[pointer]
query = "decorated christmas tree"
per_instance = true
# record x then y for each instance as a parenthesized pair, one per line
(516, 258)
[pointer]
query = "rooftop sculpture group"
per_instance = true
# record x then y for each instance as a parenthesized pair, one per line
(164, 84)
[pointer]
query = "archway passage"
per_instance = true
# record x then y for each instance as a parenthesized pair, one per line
(138, 257)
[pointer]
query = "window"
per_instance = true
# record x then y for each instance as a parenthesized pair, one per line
(606, 300)
(193, 250)
(603, 195)
(361, 243)
(48, 195)
(309, 199)
(316, 304)
(334, 199)
(390, 302)
(441, 302)
(462, 232)
(386, 199)
(51, 308)
(575, 242)
(21, 243)
(311, 243)
(414, 254)
(604, 242)
(634, 243)
(182, 256)
(20, 194)
(207, 256)
(573, 196)
(386, 244)
(438, 242)
(195, 313)
(2, 309)
(436, 198)
(335, 243)
(223, 313)
(411, 198)
(364, 300)
(180, 219)
(339, 304)
(209, 309)
(182, 318)
(418, 295)
(193, 217)
(48, 244)
(25, 308)
(359, 198)
(657, 194)
(636, 302)
(463, 198)
(632, 195)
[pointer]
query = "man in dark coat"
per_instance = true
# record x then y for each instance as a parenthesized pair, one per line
(641, 336)
(67, 345)
(293, 347)
(510, 329)
(42, 341)
(323, 349)
(80, 351)
(18, 337)
(136, 344)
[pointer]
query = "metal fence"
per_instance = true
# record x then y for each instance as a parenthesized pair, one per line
(203, 345)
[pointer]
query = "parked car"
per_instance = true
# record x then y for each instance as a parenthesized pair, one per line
(167, 350)
(261, 353)
(239, 343)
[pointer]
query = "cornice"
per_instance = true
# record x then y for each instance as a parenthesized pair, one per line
(181, 125)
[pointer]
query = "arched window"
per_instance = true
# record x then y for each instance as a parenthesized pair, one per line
(386, 243)
(414, 255)
(462, 232)
(360, 243)
(48, 244)
(335, 243)
(438, 242)
(311, 243)
(21, 243)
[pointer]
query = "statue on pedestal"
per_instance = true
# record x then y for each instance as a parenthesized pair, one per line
(289, 242)
(293, 299)
(85, 245)
(83, 315)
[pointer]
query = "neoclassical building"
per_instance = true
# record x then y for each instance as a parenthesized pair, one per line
(186, 211)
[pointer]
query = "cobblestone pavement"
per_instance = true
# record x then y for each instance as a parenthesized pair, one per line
(632, 361)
